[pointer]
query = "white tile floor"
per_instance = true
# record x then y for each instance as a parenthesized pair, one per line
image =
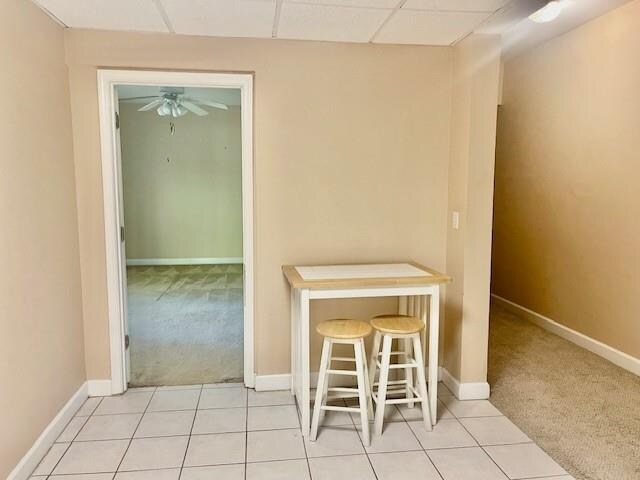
(228, 432)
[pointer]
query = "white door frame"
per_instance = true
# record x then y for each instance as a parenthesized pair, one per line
(107, 81)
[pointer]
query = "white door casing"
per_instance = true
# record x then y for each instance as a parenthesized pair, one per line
(113, 203)
(123, 254)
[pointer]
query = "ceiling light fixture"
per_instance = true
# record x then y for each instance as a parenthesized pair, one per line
(173, 102)
(547, 13)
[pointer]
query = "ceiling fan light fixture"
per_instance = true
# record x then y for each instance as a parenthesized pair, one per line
(171, 102)
(164, 110)
(178, 110)
(548, 13)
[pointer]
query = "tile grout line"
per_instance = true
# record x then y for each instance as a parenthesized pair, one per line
(470, 434)
(247, 407)
(134, 431)
(426, 453)
(86, 420)
(246, 432)
(71, 442)
(193, 422)
(531, 441)
(483, 450)
(304, 445)
(59, 460)
(371, 434)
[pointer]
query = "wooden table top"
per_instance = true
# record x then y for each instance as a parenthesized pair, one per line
(362, 275)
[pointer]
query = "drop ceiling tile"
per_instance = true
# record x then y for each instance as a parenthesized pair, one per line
(456, 5)
(352, 3)
(133, 15)
(221, 18)
(330, 23)
(416, 27)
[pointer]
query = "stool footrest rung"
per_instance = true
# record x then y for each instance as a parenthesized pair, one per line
(340, 409)
(394, 366)
(396, 401)
(391, 382)
(342, 389)
(400, 391)
(342, 372)
(396, 390)
(343, 359)
(340, 396)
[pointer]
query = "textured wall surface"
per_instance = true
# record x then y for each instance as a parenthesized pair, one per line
(182, 191)
(350, 165)
(567, 218)
(42, 362)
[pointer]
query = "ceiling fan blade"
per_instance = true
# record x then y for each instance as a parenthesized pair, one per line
(138, 98)
(194, 108)
(221, 106)
(152, 105)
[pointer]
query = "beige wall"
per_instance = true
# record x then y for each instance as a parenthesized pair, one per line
(40, 300)
(182, 192)
(567, 223)
(471, 171)
(351, 162)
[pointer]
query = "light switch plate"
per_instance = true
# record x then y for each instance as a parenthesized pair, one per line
(455, 220)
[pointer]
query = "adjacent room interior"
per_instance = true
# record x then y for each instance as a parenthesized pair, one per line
(182, 197)
(199, 199)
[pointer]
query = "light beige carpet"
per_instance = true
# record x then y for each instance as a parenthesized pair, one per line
(583, 410)
(185, 324)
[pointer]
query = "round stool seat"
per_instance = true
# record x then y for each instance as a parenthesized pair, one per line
(397, 324)
(343, 328)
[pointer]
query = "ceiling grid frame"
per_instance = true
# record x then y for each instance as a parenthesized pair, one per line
(389, 22)
(163, 14)
(393, 12)
(276, 19)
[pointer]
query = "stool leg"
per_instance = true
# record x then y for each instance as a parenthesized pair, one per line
(367, 383)
(326, 383)
(375, 349)
(322, 379)
(363, 394)
(408, 372)
(422, 383)
(382, 384)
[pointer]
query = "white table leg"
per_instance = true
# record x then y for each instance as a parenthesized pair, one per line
(294, 338)
(303, 361)
(434, 328)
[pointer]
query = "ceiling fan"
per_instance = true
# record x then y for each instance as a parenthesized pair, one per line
(172, 102)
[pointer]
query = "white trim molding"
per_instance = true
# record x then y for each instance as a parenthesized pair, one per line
(108, 80)
(621, 359)
(134, 262)
(99, 388)
(47, 438)
(268, 383)
(467, 390)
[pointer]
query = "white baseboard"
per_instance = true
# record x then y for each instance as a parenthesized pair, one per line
(621, 359)
(465, 391)
(267, 383)
(184, 261)
(99, 388)
(41, 446)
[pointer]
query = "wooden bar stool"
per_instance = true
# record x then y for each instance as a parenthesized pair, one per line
(407, 330)
(351, 332)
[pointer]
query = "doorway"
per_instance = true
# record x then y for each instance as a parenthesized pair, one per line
(177, 180)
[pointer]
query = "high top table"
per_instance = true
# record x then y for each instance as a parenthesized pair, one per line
(418, 289)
